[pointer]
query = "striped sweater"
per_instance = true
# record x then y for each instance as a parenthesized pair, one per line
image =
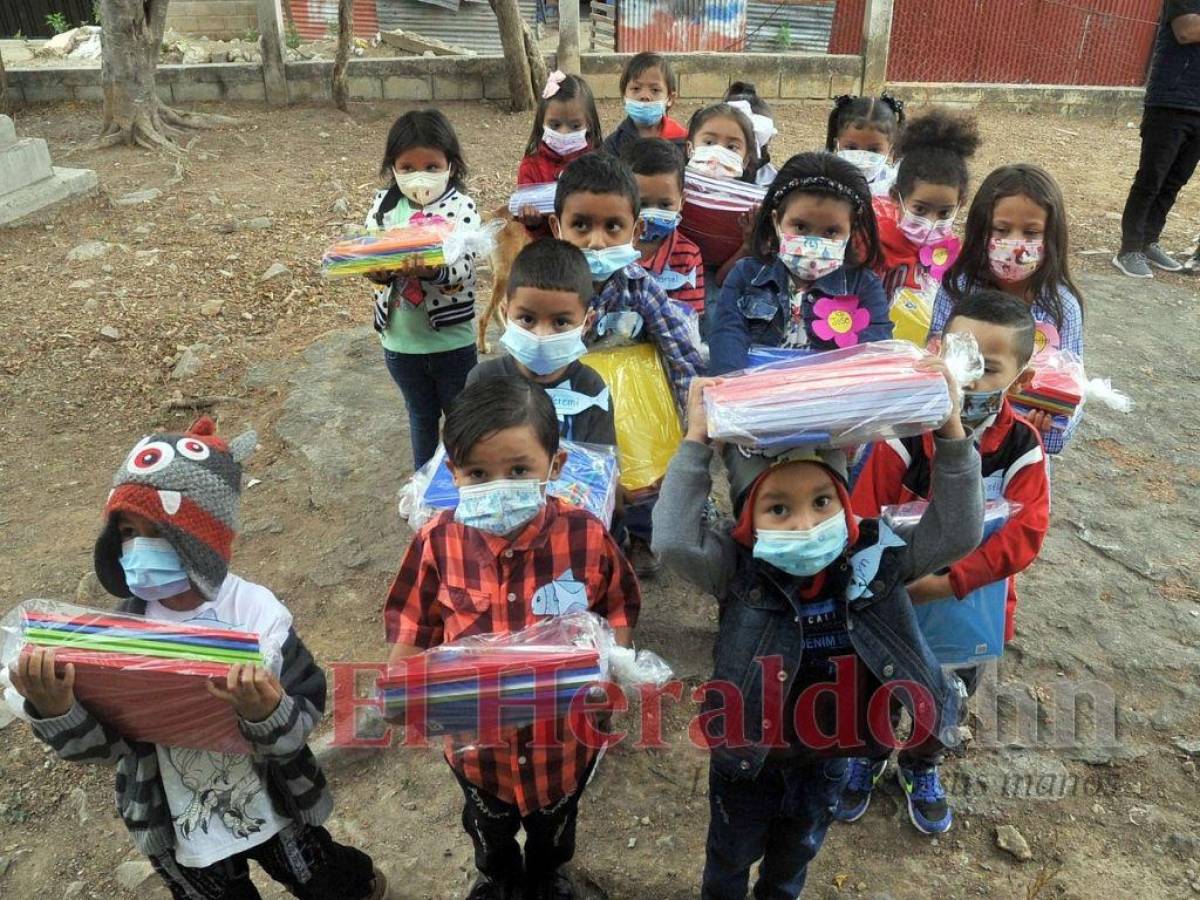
(281, 755)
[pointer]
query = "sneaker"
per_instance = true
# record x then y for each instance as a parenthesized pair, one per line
(645, 561)
(1160, 259)
(856, 795)
(927, 806)
(557, 887)
(1192, 266)
(487, 888)
(1133, 263)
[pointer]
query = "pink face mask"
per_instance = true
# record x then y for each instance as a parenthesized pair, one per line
(922, 231)
(1014, 259)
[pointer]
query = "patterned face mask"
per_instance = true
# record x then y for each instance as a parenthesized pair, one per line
(717, 161)
(500, 507)
(811, 257)
(1014, 259)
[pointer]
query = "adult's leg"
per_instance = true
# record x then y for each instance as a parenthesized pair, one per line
(313, 866)
(411, 373)
(1187, 155)
(810, 796)
(1161, 139)
(740, 815)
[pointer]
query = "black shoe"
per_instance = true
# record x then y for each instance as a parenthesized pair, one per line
(487, 888)
(557, 887)
(646, 563)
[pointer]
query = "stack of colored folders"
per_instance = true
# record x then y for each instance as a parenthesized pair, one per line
(477, 691)
(1057, 386)
(861, 394)
(539, 196)
(144, 678)
(712, 210)
(396, 248)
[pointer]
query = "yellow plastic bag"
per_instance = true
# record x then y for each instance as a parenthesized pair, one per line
(648, 427)
(911, 314)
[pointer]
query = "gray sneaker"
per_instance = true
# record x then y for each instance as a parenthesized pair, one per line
(1160, 259)
(1133, 263)
(1192, 266)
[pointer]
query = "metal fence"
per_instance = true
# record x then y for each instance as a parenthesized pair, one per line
(28, 17)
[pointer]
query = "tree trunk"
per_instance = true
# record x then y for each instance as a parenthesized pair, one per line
(516, 58)
(538, 73)
(341, 89)
(131, 39)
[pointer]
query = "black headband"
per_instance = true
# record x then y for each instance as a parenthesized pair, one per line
(826, 185)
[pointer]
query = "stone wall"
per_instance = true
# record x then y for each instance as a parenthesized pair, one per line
(217, 19)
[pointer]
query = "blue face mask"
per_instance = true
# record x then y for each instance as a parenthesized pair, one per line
(500, 507)
(604, 263)
(646, 112)
(543, 354)
(803, 553)
(152, 569)
(659, 223)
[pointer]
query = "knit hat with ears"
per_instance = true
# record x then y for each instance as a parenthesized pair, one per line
(187, 484)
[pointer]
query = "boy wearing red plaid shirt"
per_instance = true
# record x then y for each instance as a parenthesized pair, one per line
(506, 557)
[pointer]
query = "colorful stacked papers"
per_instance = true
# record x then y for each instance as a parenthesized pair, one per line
(764, 356)
(397, 248)
(712, 213)
(539, 196)
(1054, 390)
(871, 392)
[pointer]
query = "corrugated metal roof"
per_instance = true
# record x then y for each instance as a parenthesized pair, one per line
(680, 25)
(317, 19)
(808, 24)
(472, 26)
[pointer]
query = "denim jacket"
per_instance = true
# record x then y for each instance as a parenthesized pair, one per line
(754, 308)
(760, 613)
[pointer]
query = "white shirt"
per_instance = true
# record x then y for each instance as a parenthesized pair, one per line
(219, 805)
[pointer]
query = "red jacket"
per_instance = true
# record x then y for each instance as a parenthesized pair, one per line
(1012, 462)
(900, 262)
(543, 167)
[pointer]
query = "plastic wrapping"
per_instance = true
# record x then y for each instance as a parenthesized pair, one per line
(482, 683)
(588, 479)
(539, 196)
(647, 420)
(911, 314)
(144, 677)
(960, 352)
(1100, 390)
(431, 244)
(765, 356)
(872, 392)
(967, 631)
(712, 212)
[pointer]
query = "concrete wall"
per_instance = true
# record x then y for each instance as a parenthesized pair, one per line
(1060, 99)
(218, 19)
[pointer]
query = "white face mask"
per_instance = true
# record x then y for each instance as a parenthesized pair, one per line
(422, 187)
(868, 162)
(565, 144)
(716, 162)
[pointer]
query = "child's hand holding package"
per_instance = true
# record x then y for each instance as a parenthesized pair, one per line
(952, 428)
(697, 421)
(34, 678)
(253, 691)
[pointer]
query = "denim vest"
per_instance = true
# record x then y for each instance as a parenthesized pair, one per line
(761, 617)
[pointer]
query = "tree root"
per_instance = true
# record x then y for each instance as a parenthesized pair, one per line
(160, 128)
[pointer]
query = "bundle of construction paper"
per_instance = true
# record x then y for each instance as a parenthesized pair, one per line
(143, 677)
(539, 196)
(712, 213)
(871, 392)
(759, 355)
(396, 248)
(589, 479)
(1058, 385)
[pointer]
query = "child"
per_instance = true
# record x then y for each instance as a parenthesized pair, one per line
(1014, 469)
(808, 284)
(1016, 242)
(863, 131)
(650, 89)
(565, 127)
(930, 188)
(423, 315)
(483, 569)
(169, 525)
(742, 96)
(667, 254)
(803, 586)
(547, 312)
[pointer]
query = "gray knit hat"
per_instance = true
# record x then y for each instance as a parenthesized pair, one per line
(745, 466)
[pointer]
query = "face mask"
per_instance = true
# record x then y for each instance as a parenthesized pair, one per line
(868, 162)
(646, 112)
(543, 354)
(922, 231)
(604, 263)
(500, 507)
(422, 187)
(1014, 259)
(810, 258)
(716, 162)
(979, 406)
(152, 568)
(803, 553)
(565, 144)
(659, 223)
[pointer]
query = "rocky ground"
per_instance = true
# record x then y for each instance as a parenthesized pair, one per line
(135, 304)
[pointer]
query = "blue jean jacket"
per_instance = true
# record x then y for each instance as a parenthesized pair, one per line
(754, 308)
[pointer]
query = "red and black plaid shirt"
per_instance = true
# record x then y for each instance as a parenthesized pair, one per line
(457, 581)
(680, 253)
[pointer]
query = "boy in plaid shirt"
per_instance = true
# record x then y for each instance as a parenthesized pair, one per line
(507, 556)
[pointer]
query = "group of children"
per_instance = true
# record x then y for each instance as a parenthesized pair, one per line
(806, 573)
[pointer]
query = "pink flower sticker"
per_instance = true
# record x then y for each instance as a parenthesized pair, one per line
(840, 319)
(939, 256)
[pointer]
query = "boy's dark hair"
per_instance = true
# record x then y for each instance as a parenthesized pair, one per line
(828, 176)
(724, 110)
(552, 265)
(745, 90)
(644, 62)
(653, 156)
(425, 128)
(934, 147)
(1005, 310)
(972, 271)
(568, 89)
(495, 404)
(597, 173)
(884, 113)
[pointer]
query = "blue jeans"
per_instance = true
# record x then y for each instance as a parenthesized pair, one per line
(780, 817)
(429, 383)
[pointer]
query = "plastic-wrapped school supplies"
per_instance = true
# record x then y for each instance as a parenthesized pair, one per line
(433, 243)
(871, 392)
(588, 479)
(144, 677)
(648, 427)
(539, 196)
(967, 631)
(1058, 385)
(712, 212)
(485, 682)
(911, 314)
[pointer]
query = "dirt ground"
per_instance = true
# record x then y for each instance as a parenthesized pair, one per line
(1114, 601)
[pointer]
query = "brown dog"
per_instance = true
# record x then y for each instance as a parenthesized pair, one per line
(511, 240)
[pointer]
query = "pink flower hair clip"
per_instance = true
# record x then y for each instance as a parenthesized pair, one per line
(553, 83)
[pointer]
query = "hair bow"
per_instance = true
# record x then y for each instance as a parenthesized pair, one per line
(553, 83)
